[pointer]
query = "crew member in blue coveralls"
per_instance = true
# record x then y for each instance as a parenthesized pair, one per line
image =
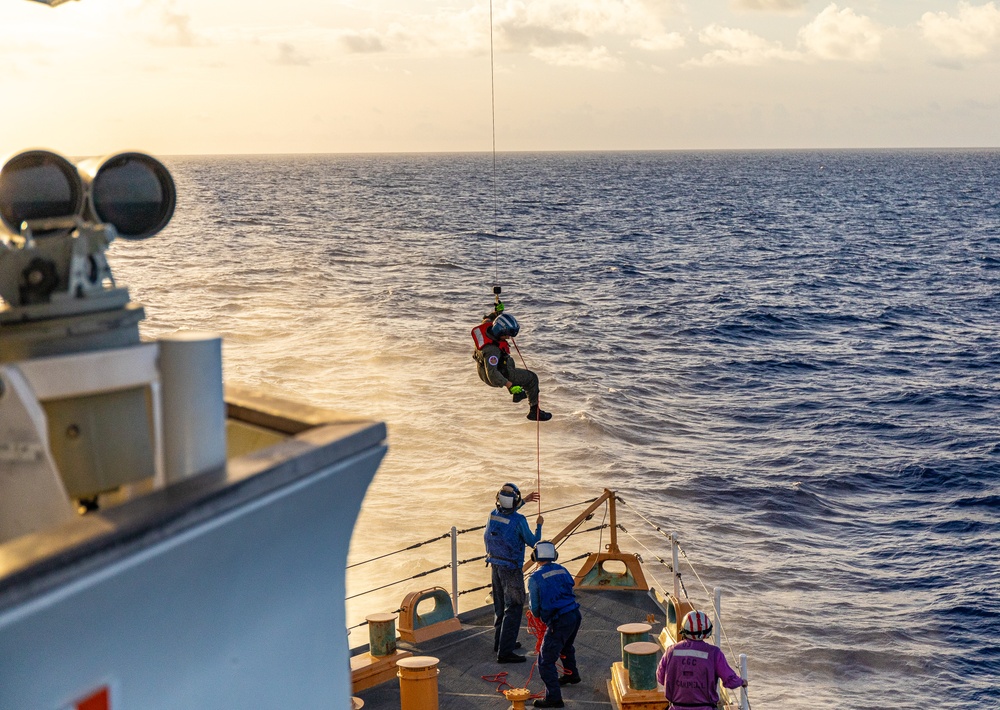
(550, 590)
(495, 365)
(506, 535)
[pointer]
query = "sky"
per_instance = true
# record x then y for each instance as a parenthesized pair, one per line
(182, 77)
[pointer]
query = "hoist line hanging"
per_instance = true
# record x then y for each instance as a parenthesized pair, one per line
(538, 437)
(496, 254)
(493, 117)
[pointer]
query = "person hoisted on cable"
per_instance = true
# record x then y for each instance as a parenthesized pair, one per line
(495, 364)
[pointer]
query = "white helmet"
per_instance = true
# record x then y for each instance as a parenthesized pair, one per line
(508, 497)
(696, 625)
(544, 551)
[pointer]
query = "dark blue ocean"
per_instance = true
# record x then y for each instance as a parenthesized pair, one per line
(792, 359)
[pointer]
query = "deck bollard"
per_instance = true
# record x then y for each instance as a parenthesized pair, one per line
(517, 697)
(642, 665)
(381, 634)
(630, 634)
(418, 685)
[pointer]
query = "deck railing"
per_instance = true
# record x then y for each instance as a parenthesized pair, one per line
(610, 498)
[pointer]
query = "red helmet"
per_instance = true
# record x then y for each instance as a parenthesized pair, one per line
(696, 625)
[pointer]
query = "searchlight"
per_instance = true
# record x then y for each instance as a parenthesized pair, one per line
(57, 220)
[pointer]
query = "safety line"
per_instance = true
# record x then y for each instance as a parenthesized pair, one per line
(411, 547)
(460, 532)
(493, 116)
(694, 571)
(709, 595)
(538, 433)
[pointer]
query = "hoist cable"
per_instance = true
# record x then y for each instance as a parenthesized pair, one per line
(493, 117)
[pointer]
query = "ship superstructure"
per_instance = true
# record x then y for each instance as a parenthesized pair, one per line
(165, 541)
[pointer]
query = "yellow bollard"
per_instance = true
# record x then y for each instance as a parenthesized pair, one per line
(418, 686)
(518, 697)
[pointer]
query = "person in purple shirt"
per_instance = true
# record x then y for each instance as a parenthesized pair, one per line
(690, 670)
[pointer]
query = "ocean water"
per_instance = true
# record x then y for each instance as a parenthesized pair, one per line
(791, 359)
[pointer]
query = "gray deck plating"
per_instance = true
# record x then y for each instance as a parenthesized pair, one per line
(467, 655)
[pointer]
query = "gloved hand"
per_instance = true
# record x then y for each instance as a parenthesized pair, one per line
(498, 308)
(516, 389)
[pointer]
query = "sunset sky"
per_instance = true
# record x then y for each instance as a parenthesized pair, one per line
(321, 76)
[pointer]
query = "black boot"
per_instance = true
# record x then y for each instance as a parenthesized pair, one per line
(537, 415)
(511, 658)
(569, 679)
(546, 703)
(520, 396)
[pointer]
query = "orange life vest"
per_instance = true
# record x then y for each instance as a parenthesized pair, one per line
(481, 338)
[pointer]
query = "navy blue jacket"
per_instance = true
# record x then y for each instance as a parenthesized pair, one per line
(550, 589)
(507, 534)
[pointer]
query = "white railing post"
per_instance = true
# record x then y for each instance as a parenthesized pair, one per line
(454, 568)
(677, 566)
(744, 698)
(718, 616)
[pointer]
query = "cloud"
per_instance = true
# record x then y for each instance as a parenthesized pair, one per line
(593, 58)
(531, 36)
(663, 42)
(841, 35)
(577, 33)
(973, 34)
(364, 42)
(780, 6)
(834, 35)
(739, 47)
(290, 56)
(168, 27)
(589, 18)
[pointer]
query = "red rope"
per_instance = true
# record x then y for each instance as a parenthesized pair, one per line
(538, 436)
(536, 627)
(501, 680)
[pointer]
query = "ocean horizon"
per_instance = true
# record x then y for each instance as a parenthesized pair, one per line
(789, 357)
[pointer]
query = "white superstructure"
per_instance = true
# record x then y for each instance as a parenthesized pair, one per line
(161, 545)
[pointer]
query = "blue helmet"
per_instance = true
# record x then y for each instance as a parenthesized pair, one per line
(508, 497)
(505, 325)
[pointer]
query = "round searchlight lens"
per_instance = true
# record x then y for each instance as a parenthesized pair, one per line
(135, 193)
(38, 184)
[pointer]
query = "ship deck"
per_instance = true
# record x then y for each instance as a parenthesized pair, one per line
(466, 656)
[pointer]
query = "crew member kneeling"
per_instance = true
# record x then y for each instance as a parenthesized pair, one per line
(550, 590)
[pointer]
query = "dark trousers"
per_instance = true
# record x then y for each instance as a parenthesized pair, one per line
(528, 380)
(558, 641)
(508, 606)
